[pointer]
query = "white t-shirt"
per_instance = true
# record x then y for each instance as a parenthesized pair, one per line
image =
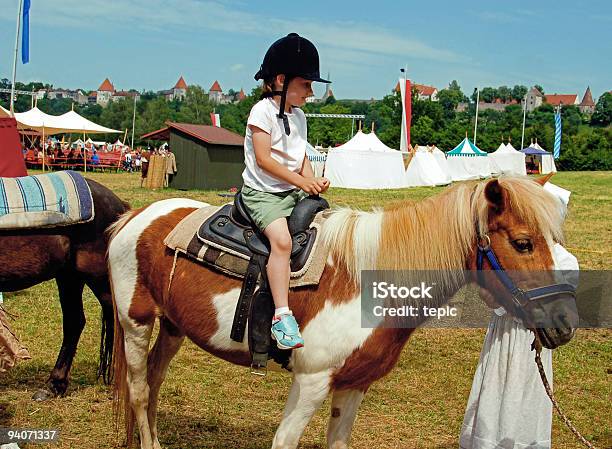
(288, 150)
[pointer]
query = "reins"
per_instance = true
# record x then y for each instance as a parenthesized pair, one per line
(537, 347)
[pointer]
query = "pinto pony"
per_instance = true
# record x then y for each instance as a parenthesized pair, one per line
(74, 256)
(520, 218)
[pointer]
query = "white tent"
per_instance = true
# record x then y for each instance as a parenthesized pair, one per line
(466, 161)
(4, 112)
(548, 162)
(442, 162)
(506, 160)
(75, 123)
(364, 162)
(317, 160)
(37, 120)
(424, 170)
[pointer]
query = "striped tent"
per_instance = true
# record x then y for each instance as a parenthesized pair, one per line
(466, 161)
(466, 148)
(317, 160)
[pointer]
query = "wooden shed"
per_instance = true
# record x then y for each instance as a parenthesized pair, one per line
(207, 157)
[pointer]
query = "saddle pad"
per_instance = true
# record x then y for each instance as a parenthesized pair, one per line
(55, 199)
(184, 239)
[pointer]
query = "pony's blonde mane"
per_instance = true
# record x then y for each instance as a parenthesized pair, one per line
(437, 233)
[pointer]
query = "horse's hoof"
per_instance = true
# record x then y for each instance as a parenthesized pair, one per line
(43, 395)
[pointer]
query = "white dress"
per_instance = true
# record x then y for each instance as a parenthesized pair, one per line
(508, 407)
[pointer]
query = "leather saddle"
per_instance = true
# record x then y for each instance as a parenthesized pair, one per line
(232, 228)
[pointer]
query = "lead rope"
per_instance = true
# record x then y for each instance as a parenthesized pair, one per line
(537, 346)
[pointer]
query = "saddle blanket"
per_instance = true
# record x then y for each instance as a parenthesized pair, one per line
(55, 199)
(184, 239)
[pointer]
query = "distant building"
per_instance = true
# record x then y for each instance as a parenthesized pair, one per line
(587, 105)
(423, 91)
(178, 92)
(105, 92)
(534, 99)
(124, 95)
(241, 95)
(562, 99)
(54, 94)
(215, 93)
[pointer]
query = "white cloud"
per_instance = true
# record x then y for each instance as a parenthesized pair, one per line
(236, 67)
(157, 15)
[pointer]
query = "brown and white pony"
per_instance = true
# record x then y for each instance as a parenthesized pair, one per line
(339, 356)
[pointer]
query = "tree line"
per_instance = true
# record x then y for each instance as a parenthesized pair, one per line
(586, 139)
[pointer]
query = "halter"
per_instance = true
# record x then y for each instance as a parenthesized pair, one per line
(521, 298)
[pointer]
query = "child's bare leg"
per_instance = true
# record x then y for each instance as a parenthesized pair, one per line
(278, 263)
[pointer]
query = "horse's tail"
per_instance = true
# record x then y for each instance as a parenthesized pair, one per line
(121, 402)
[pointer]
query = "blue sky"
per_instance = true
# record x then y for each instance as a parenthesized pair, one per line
(146, 44)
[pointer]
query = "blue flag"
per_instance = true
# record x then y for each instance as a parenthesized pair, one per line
(557, 149)
(25, 35)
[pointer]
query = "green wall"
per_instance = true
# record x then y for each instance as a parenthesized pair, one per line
(204, 166)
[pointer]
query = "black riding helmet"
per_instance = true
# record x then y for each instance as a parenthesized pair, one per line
(292, 56)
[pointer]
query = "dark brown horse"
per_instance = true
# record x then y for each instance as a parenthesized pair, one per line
(74, 256)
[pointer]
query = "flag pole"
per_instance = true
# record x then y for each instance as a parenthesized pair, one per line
(133, 122)
(524, 114)
(476, 121)
(12, 107)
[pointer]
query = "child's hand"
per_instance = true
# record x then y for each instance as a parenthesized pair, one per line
(323, 183)
(311, 186)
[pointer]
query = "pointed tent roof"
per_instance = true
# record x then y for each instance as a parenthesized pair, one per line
(4, 112)
(106, 86)
(241, 95)
(215, 87)
(502, 148)
(587, 99)
(466, 148)
(180, 84)
(365, 142)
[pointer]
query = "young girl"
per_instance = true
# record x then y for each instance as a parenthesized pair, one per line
(276, 166)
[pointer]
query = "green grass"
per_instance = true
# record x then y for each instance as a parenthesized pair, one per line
(207, 403)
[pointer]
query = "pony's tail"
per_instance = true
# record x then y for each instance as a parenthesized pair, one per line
(105, 368)
(121, 395)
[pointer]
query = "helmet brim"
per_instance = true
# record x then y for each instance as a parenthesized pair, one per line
(318, 79)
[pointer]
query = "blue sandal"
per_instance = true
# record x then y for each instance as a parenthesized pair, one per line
(286, 332)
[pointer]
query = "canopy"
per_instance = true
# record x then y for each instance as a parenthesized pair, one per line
(507, 160)
(75, 123)
(39, 121)
(463, 163)
(424, 170)
(4, 112)
(441, 160)
(364, 162)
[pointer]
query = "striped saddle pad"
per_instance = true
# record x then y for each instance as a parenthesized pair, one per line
(54, 199)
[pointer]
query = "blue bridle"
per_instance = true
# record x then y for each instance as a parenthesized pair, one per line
(521, 298)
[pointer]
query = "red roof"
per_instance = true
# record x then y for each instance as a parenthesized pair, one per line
(180, 84)
(209, 134)
(566, 99)
(241, 95)
(425, 90)
(215, 87)
(106, 86)
(587, 100)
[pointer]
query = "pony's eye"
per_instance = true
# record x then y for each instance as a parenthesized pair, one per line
(523, 245)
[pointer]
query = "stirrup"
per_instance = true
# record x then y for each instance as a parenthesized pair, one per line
(259, 364)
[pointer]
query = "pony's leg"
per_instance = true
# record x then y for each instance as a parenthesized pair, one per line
(308, 391)
(70, 287)
(344, 408)
(101, 289)
(166, 346)
(136, 340)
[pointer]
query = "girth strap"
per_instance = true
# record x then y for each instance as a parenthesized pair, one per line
(255, 269)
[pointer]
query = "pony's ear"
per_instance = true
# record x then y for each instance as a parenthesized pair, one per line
(544, 179)
(494, 193)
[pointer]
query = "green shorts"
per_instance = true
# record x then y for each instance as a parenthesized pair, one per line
(265, 207)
